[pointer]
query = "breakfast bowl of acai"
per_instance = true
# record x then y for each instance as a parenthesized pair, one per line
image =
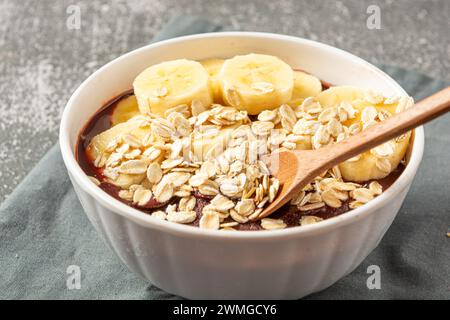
(165, 149)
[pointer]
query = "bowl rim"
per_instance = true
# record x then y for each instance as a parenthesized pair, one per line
(81, 179)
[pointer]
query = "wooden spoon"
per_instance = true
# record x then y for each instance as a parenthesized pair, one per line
(295, 169)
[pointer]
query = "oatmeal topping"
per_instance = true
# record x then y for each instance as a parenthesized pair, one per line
(214, 151)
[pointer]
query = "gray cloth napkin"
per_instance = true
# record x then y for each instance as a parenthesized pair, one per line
(43, 230)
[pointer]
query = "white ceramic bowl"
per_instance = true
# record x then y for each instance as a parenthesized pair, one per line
(195, 263)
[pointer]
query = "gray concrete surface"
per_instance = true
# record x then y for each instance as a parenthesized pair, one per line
(42, 61)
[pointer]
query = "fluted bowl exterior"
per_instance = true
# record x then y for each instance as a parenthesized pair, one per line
(210, 264)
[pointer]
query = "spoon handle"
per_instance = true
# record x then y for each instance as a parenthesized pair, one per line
(423, 111)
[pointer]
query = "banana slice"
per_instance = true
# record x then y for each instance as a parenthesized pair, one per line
(100, 142)
(168, 84)
(256, 82)
(369, 167)
(125, 110)
(204, 146)
(335, 95)
(213, 67)
(380, 161)
(305, 85)
(207, 146)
